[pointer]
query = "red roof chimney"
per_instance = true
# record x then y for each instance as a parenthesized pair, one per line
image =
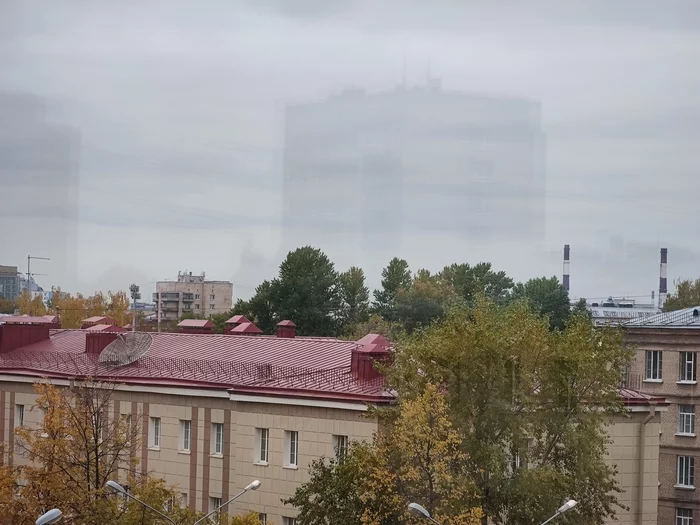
(97, 341)
(16, 332)
(235, 321)
(286, 329)
(371, 348)
(246, 329)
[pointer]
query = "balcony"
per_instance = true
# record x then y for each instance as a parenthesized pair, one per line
(187, 297)
(169, 307)
(170, 296)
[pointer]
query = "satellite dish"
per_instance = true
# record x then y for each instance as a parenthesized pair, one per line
(127, 348)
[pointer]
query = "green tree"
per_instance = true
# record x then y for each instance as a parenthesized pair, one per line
(354, 296)
(581, 308)
(546, 297)
(7, 306)
(468, 282)
(419, 459)
(376, 324)
(520, 394)
(306, 291)
(395, 276)
(262, 310)
(423, 302)
(687, 294)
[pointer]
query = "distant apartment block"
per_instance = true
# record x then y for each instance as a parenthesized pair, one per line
(376, 167)
(9, 282)
(192, 294)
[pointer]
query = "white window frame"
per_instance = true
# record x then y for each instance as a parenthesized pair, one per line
(19, 415)
(291, 447)
(289, 521)
(684, 516)
(686, 420)
(185, 435)
(340, 446)
(196, 296)
(212, 306)
(687, 367)
(262, 446)
(215, 503)
(212, 297)
(685, 472)
(262, 518)
(217, 431)
(653, 366)
(154, 432)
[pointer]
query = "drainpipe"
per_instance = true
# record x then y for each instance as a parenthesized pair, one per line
(640, 482)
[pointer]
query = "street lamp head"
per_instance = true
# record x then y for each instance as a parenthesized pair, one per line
(51, 516)
(254, 485)
(116, 487)
(418, 510)
(567, 506)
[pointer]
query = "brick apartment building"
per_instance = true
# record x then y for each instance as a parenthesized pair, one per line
(192, 294)
(667, 347)
(218, 411)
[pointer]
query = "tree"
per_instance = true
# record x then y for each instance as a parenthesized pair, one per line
(262, 311)
(522, 395)
(419, 459)
(469, 282)
(307, 292)
(135, 293)
(7, 306)
(29, 305)
(423, 302)
(546, 297)
(354, 296)
(581, 309)
(374, 325)
(687, 295)
(118, 307)
(395, 276)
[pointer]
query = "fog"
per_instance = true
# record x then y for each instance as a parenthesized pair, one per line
(142, 138)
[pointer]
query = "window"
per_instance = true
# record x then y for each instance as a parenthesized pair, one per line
(196, 296)
(684, 516)
(211, 306)
(653, 365)
(154, 433)
(196, 306)
(262, 445)
(289, 521)
(292, 446)
(686, 471)
(217, 430)
(185, 434)
(211, 297)
(686, 419)
(183, 499)
(687, 367)
(340, 444)
(262, 517)
(19, 415)
(169, 504)
(214, 503)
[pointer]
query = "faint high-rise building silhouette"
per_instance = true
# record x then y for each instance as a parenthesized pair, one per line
(39, 180)
(378, 167)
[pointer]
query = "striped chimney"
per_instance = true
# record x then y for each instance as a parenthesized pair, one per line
(566, 267)
(663, 274)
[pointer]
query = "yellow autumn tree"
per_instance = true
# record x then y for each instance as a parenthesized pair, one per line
(29, 305)
(118, 306)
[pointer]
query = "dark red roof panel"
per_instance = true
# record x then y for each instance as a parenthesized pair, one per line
(196, 323)
(24, 319)
(246, 328)
(104, 328)
(286, 322)
(238, 319)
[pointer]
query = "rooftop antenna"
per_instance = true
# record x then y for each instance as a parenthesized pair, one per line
(29, 264)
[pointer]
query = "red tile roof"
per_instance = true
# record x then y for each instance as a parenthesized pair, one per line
(246, 328)
(99, 319)
(286, 322)
(25, 319)
(238, 319)
(196, 323)
(266, 365)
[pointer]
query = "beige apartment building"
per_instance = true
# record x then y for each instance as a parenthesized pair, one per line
(219, 411)
(192, 294)
(667, 347)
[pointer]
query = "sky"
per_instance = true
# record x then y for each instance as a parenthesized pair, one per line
(143, 138)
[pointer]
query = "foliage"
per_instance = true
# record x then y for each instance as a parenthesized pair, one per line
(581, 309)
(29, 305)
(687, 294)
(72, 309)
(219, 321)
(7, 306)
(546, 297)
(307, 292)
(396, 276)
(469, 282)
(419, 459)
(515, 389)
(262, 311)
(118, 307)
(354, 296)
(374, 325)
(423, 302)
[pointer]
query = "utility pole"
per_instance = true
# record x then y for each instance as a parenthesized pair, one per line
(135, 294)
(29, 263)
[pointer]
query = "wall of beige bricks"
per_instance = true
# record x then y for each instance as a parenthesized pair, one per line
(200, 475)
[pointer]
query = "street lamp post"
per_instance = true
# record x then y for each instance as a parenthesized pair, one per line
(421, 512)
(116, 487)
(561, 510)
(252, 486)
(51, 516)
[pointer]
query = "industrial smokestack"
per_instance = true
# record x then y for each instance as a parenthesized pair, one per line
(663, 273)
(566, 267)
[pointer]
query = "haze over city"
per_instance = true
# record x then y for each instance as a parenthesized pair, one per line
(158, 136)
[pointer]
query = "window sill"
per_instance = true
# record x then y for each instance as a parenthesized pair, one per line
(684, 434)
(216, 455)
(684, 487)
(686, 382)
(187, 452)
(291, 467)
(155, 449)
(652, 381)
(261, 463)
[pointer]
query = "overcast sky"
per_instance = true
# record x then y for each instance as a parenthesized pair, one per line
(173, 114)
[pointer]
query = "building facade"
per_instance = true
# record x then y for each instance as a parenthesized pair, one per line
(192, 294)
(667, 347)
(9, 282)
(218, 411)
